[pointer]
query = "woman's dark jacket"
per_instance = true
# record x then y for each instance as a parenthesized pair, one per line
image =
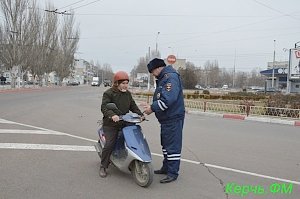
(123, 101)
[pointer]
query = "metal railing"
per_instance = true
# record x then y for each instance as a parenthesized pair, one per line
(247, 110)
(243, 109)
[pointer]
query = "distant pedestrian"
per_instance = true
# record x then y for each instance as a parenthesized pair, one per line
(3, 80)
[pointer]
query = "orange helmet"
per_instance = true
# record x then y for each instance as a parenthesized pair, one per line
(121, 75)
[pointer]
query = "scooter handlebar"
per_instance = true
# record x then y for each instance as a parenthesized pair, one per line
(132, 118)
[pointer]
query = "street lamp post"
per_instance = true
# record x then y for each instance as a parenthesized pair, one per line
(273, 72)
(156, 44)
(288, 73)
(148, 80)
(233, 75)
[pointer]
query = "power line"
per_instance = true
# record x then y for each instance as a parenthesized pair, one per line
(71, 4)
(226, 30)
(279, 11)
(57, 12)
(86, 4)
(65, 12)
(249, 38)
(175, 15)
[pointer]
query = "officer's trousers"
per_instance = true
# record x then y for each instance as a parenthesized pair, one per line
(171, 142)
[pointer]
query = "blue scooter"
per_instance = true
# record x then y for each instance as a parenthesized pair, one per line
(131, 153)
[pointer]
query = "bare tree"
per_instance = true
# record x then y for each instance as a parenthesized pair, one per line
(68, 43)
(108, 72)
(241, 79)
(211, 73)
(188, 76)
(142, 65)
(32, 48)
(256, 79)
(14, 11)
(48, 45)
(3, 43)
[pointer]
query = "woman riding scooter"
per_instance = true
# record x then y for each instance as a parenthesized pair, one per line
(120, 96)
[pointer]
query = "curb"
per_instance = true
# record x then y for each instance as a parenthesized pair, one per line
(250, 118)
(272, 120)
(234, 116)
(28, 89)
(17, 90)
(204, 113)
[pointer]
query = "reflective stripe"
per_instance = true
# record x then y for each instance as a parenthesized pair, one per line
(174, 155)
(173, 158)
(163, 104)
(164, 151)
(160, 106)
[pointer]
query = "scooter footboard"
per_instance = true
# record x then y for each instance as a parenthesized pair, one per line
(136, 142)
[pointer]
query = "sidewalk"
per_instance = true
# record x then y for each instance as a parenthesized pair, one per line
(244, 117)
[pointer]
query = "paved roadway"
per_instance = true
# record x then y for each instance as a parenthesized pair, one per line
(46, 139)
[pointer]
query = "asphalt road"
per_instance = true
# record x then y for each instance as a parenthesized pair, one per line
(46, 151)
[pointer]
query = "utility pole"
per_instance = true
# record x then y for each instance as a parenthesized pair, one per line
(288, 83)
(296, 44)
(148, 85)
(273, 72)
(156, 44)
(233, 77)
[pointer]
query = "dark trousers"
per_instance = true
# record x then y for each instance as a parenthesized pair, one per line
(171, 142)
(111, 134)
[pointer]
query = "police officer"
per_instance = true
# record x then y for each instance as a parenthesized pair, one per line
(168, 106)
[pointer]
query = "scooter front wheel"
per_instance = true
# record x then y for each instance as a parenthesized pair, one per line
(142, 173)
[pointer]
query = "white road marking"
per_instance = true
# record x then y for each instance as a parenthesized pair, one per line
(91, 148)
(235, 170)
(46, 147)
(18, 131)
(44, 129)
(5, 121)
(251, 173)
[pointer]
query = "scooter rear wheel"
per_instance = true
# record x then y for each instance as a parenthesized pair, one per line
(142, 173)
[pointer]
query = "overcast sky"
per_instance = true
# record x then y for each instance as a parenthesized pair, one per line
(119, 32)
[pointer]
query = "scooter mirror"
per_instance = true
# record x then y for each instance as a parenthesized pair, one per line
(111, 106)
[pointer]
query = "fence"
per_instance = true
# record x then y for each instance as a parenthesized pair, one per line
(248, 109)
(242, 109)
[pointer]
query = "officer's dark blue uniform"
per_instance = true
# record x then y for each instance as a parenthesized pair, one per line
(168, 105)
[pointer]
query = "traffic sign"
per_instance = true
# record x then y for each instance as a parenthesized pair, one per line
(294, 64)
(171, 59)
(297, 54)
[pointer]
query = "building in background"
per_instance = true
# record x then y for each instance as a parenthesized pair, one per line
(286, 73)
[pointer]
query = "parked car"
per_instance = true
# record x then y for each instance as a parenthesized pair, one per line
(107, 82)
(73, 82)
(267, 91)
(95, 83)
(225, 86)
(199, 87)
